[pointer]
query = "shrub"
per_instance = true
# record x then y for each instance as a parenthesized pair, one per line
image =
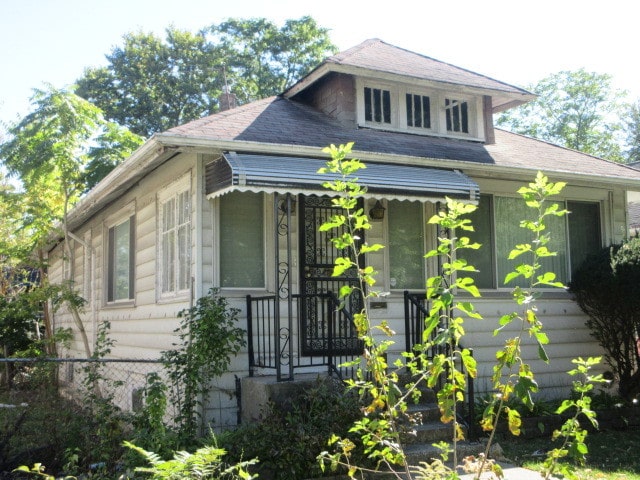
(209, 337)
(607, 288)
(288, 438)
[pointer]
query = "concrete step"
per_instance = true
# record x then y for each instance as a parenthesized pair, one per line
(417, 453)
(429, 412)
(428, 433)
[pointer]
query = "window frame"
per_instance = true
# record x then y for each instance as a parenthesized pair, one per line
(172, 192)
(424, 247)
(437, 111)
(267, 245)
(393, 94)
(125, 215)
(498, 277)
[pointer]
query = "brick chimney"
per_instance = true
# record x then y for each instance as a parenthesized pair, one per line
(227, 100)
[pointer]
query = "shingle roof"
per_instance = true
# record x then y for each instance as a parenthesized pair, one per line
(374, 57)
(285, 122)
(374, 54)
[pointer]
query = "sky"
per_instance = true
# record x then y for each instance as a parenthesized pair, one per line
(515, 41)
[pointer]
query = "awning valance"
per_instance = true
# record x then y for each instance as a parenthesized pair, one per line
(296, 175)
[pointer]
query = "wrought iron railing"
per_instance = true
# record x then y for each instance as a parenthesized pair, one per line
(416, 308)
(278, 345)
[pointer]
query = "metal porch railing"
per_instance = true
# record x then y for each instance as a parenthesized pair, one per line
(416, 309)
(273, 345)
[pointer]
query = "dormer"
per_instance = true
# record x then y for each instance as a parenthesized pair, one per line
(379, 86)
(420, 110)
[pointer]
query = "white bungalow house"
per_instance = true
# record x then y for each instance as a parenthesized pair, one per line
(233, 201)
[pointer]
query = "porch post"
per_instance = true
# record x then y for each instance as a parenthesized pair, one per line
(289, 286)
(276, 306)
(282, 208)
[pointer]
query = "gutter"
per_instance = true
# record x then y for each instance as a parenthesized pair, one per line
(212, 145)
(149, 156)
(163, 146)
(92, 260)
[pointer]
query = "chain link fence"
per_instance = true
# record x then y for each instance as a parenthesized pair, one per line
(123, 380)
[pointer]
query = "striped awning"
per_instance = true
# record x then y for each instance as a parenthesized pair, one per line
(296, 175)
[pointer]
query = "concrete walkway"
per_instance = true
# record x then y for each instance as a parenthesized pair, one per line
(510, 473)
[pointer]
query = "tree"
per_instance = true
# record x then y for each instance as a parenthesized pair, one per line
(575, 109)
(265, 60)
(48, 151)
(150, 84)
(632, 128)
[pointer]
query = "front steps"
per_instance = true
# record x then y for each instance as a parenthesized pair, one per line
(426, 429)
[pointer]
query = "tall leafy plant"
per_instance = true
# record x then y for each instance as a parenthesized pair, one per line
(208, 338)
(447, 314)
(512, 376)
(378, 427)
(386, 400)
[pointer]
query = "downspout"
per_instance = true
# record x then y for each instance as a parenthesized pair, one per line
(87, 248)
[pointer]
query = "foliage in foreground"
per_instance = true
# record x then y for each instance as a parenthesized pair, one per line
(378, 429)
(287, 439)
(206, 463)
(607, 288)
(610, 454)
(208, 338)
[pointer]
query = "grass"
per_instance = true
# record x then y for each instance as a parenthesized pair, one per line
(613, 454)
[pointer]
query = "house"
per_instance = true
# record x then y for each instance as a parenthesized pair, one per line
(633, 207)
(234, 200)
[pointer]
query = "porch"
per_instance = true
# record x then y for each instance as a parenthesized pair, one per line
(284, 358)
(314, 333)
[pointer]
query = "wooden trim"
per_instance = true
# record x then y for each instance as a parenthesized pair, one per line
(487, 114)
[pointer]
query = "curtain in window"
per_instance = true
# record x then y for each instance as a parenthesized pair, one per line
(176, 243)
(184, 240)
(584, 231)
(482, 258)
(508, 214)
(406, 245)
(242, 240)
(168, 245)
(120, 274)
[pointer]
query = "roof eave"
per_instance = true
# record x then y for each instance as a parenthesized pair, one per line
(215, 145)
(151, 154)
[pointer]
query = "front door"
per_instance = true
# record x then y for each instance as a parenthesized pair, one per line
(323, 330)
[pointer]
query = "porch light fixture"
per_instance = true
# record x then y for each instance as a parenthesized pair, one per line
(377, 212)
(283, 206)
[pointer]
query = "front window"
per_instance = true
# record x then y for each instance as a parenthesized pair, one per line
(175, 243)
(242, 261)
(585, 237)
(509, 211)
(406, 245)
(496, 224)
(120, 261)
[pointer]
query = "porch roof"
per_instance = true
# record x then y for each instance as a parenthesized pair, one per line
(283, 174)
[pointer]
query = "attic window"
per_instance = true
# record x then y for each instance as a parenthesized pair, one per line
(377, 105)
(457, 115)
(418, 111)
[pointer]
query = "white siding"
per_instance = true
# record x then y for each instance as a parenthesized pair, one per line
(144, 329)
